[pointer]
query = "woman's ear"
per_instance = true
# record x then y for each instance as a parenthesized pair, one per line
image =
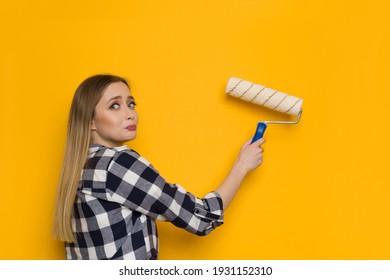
(93, 125)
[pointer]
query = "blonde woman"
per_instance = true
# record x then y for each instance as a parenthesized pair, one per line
(109, 197)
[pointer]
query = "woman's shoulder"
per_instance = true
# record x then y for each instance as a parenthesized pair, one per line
(121, 155)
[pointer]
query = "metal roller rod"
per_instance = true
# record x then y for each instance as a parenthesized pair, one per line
(286, 122)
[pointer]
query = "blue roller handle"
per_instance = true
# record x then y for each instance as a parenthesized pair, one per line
(259, 131)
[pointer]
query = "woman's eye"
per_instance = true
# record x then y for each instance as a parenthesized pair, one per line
(131, 105)
(114, 106)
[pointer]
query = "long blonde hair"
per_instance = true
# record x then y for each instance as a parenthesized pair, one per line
(78, 140)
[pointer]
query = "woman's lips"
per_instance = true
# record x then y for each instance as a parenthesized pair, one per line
(131, 128)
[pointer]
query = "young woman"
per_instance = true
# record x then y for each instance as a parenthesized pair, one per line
(110, 212)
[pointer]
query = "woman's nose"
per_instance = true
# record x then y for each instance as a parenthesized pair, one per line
(130, 113)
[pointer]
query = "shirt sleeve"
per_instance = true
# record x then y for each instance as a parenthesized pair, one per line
(133, 182)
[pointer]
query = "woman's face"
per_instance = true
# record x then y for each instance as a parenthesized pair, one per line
(115, 120)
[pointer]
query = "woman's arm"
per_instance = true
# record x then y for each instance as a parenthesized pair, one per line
(131, 180)
(250, 157)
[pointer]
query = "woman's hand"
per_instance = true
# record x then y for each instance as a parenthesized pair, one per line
(251, 155)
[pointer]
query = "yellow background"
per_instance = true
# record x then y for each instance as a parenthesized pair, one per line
(323, 189)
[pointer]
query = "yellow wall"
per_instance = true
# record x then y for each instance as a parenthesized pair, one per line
(321, 192)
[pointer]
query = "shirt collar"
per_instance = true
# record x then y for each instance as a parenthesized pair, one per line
(93, 148)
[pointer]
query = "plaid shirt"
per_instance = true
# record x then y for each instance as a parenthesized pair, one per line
(119, 199)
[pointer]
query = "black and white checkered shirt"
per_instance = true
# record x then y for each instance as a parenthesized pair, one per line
(119, 199)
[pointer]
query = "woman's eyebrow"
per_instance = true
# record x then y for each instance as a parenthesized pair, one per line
(114, 98)
(120, 97)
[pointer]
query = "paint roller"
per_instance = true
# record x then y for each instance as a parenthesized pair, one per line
(267, 97)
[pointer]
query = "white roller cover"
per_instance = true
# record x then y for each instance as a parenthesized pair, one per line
(264, 96)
